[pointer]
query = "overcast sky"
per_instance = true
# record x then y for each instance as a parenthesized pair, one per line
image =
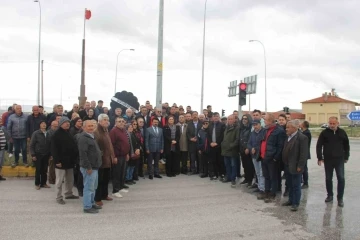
(311, 46)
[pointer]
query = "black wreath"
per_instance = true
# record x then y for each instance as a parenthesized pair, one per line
(127, 97)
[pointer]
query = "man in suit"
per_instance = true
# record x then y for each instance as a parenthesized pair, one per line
(294, 156)
(191, 132)
(305, 130)
(154, 145)
(183, 143)
(144, 115)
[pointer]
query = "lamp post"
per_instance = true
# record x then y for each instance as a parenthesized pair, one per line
(38, 91)
(117, 60)
(203, 62)
(265, 71)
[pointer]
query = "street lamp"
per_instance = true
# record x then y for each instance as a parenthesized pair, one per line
(117, 60)
(38, 93)
(265, 71)
(203, 62)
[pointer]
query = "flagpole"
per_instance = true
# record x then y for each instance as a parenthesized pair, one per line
(82, 97)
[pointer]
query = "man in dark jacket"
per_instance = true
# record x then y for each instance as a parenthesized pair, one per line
(215, 137)
(230, 150)
(204, 147)
(294, 156)
(305, 130)
(40, 153)
(270, 154)
(64, 152)
(33, 121)
(333, 150)
(253, 148)
(192, 130)
(245, 131)
(90, 162)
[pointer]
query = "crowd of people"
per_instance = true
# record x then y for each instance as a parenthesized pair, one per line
(90, 146)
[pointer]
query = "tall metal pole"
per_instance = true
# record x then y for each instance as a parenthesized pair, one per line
(82, 97)
(116, 69)
(203, 63)
(42, 83)
(265, 71)
(160, 56)
(38, 91)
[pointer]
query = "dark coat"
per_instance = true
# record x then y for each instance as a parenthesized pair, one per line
(298, 153)
(64, 149)
(230, 144)
(333, 145)
(89, 152)
(203, 141)
(219, 133)
(308, 134)
(192, 132)
(275, 144)
(33, 123)
(168, 139)
(40, 144)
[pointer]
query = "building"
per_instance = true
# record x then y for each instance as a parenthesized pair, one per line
(318, 110)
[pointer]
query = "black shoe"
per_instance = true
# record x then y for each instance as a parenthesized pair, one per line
(244, 182)
(2, 178)
(96, 206)
(91, 210)
(305, 186)
(233, 184)
(126, 187)
(270, 198)
(151, 177)
(158, 176)
(72, 197)
(135, 179)
(340, 203)
(256, 190)
(286, 204)
(213, 178)
(329, 199)
(204, 176)
(81, 194)
(174, 175)
(168, 175)
(141, 175)
(226, 181)
(128, 182)
(294, 208)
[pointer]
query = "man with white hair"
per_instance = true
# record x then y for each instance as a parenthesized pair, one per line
(294, 156)
(128, 117)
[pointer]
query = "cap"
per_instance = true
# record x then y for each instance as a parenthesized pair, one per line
(256, 121)
(63, 120)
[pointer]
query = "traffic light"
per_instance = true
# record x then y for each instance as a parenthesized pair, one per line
(222, 112)
(286, 109)
(242, 94)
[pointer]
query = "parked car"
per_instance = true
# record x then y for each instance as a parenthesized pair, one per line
(324, 125)
(353, 125)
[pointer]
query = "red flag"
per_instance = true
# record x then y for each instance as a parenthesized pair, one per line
(87, 14)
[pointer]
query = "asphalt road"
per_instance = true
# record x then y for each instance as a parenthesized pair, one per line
(185, 207)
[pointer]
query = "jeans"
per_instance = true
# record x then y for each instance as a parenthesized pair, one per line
(90, 186)
(306, 174)
(129, 173)
(259, 174)
(270, 170)
(20, 144)
(340, 174)
(230, 165)
(294, 184)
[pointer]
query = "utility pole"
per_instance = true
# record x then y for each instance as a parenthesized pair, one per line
(160, 56)
(42, 83)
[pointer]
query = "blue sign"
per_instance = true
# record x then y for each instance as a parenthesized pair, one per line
(354, 116)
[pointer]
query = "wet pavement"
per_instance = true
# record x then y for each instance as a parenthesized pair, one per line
(185, 207)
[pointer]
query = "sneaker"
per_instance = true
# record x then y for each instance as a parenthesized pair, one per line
(96, 206)
(10, 155)
(233, 184)
(340, 203)
(305, 186)
(61, 201)
(37, 187)
(162, 161)
(91, 210)
(118, 195)
(329, 199)
(214, 178)
(294, 208)
(20, 154)
(124, 190)
(72, 197)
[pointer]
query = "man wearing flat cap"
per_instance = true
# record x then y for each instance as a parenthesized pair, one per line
(64, 152)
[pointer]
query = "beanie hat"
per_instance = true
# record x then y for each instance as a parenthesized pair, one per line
(63, 120)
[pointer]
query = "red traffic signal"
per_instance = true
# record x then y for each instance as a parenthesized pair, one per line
(242, 86)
